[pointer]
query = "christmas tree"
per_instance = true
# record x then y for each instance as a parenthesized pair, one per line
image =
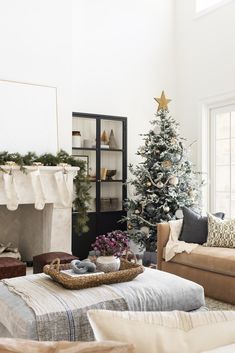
(164, 182)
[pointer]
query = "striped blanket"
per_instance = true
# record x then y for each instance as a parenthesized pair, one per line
(61, 314)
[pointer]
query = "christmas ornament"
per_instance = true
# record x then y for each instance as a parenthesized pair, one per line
(159, 185)
(192, 193)
(166, 164)
(173, 180)
(162, 102)
(179, 214)
(166, 209)
(137, 211)
(145, 230)
(157, 130)
(148, 184)
(129, 226)
(141, 150)
(174, 141)
(176, 158)
(150, 208)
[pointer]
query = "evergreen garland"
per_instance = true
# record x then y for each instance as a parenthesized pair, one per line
(82, 185)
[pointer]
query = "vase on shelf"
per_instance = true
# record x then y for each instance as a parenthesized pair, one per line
(112, 141)
(77, 139)
(108, 263)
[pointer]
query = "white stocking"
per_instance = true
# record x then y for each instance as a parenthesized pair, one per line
(40, 198)
(10, 190)
(63, 188)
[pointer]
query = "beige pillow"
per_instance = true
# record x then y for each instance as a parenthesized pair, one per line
(10, 345)
(165, 332)
(221, 233)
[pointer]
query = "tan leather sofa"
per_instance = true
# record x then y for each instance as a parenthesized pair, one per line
(213, 268)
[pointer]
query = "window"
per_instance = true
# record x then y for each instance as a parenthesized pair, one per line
(222, 160)
(206, 5)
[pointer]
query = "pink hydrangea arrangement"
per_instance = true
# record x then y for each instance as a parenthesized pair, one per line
(113, 243)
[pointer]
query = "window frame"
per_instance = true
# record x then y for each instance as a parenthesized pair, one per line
(205, 108)
(213, 113)
(209, 9)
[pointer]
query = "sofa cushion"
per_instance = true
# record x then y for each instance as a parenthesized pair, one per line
(219, 260)
(220, 233)
(195, 227)
(11, 345)
(165, 332)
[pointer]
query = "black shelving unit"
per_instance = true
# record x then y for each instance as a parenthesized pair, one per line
(101, 220)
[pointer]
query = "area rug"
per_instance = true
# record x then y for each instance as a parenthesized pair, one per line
(213, 304)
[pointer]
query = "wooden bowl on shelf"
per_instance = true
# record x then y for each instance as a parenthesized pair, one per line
(110, 173)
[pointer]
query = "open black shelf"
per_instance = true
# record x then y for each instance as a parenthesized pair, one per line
(102, 220)
(84, 148)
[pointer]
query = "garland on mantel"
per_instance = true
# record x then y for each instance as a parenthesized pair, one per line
(81, 182)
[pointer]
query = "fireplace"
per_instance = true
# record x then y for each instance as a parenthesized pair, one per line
(35, 209)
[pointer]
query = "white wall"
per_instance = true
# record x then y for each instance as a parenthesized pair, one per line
(205, 62)
(35, 42)
(123, 56)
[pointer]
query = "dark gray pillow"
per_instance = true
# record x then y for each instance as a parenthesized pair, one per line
(195, 227)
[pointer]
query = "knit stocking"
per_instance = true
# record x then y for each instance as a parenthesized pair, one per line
(10, 190)
(36, 182)
(63, 188)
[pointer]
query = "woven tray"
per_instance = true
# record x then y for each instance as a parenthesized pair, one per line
(128, 271)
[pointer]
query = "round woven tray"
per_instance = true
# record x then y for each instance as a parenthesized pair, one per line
(128, 271)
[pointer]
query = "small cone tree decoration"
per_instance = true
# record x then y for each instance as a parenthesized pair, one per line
(164, 181)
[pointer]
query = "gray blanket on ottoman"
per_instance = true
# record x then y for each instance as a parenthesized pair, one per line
(24, 316)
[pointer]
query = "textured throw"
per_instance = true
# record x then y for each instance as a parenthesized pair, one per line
(61, 314)
(221, 233)
(174, 245)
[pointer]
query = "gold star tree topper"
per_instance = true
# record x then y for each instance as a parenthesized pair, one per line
(162, 102)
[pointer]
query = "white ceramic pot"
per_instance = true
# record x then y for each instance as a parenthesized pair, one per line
(108, 263)
(77, 141)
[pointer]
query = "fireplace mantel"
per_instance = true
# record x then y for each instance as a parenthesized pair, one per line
(36, 204)
(24, 188)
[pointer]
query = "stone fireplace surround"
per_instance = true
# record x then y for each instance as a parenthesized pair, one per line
(48, 228)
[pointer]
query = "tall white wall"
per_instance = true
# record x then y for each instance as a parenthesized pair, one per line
(123, 56)
(35, 42)
(205, 62)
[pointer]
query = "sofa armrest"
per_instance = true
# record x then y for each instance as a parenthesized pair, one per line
(163, 232)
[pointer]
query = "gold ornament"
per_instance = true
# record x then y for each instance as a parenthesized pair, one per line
(148, 184)
(129, 226)
(166, 164)
(174, 140)
(160, 185)
(173, 180)
(162, 102)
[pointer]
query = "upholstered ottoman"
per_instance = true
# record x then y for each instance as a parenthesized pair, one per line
(10, 267)
(39, 261)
